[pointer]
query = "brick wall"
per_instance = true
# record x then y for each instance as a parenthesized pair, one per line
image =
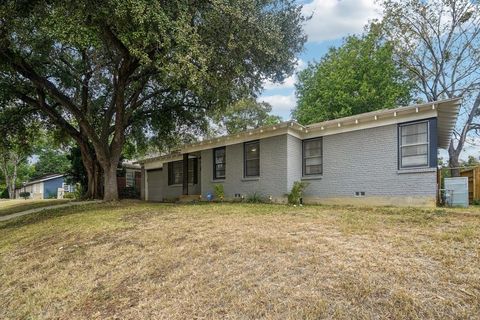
(273, 170)
(363, 160)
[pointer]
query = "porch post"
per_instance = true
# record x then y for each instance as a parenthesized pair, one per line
(185, 174)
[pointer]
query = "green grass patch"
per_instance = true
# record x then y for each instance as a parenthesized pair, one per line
(13, 206)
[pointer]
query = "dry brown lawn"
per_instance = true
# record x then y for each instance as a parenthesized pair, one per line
(136, 260)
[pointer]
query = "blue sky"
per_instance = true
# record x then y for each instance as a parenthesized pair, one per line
(331, 21)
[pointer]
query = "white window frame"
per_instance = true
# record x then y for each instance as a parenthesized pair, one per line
(401, 145)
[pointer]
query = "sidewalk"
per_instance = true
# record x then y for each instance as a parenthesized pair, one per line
(57, 206)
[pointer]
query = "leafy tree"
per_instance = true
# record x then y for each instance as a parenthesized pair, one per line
(101, 70)
(245, 114)
(51, 161)
(50, 152)
(359, 76)
(471, 162)
(16, 145)
(438, 42)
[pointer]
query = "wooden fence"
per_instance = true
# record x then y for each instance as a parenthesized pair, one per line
(473, 175)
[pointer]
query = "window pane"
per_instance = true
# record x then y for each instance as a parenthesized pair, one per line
(415, 138)
(313, 144)
(415, 150)
(413, 161)
(220, 173)
(252, 168)
(414, 129)
(220, 156)
(317, 169)
(313, 161)
(252, 150)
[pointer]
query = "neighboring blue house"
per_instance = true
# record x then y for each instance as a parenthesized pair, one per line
(45, 187)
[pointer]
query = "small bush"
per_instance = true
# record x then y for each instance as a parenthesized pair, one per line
(69, 195)
(4, 194)
(476, 202)
(254, 198)
(219, 192)
(295, 196)
(25, 195)
(78, 192)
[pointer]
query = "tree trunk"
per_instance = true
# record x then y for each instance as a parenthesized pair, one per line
(14, 180)
(453, 160)
(11, 195)
(110, 181)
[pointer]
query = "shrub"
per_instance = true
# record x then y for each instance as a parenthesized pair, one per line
(69, 195)
(219, 192)
(25, 195)
(78, 192)
(295, 196)
(4, 194)
(254, 198)
(51, 196)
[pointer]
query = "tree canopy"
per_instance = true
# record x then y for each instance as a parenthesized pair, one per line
(244, 115)
(106, 71)
(359, 76)
(19, 129)
(438, 43)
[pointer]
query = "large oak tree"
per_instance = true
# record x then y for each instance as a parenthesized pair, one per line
(102, 70)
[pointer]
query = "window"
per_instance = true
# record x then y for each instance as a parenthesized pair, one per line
(414, 145)
(175, 172)
(219, 163)
(129, 179)
(252, 159)
(66, 187)
(312, 156)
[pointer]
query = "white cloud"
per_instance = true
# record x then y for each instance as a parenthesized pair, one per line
(282, 105)
(288, 83)
(333, 19)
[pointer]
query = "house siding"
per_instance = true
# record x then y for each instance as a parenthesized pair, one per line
(159, 190)
(273, 170)
(365, 161)
(50, 187)
(357, 161)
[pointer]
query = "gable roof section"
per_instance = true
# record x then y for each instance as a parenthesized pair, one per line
(446, 112)
(43, 179)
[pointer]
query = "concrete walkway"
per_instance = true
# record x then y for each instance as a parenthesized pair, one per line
(57, 206)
